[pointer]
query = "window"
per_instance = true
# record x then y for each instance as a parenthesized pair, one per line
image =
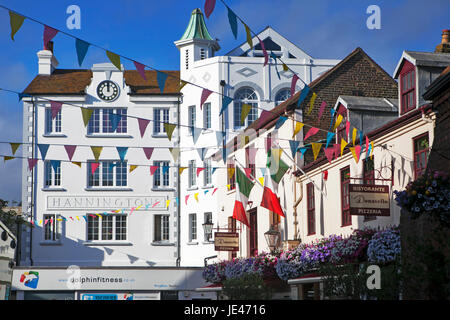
(346, 218)
(421, 152)
(192, 174)
(207, 218)
(368, 178)
(161, 175)
(52, 173)
(202, 53)
(311, 215)
(207, 116)
(52, 125)
(52, 227)
(100, 121)
(108, 174)
(407, 87)
(230, 174)
(207, 173)
(106, 227)
(186, 58)
(192, 227)
(231, 228)
(250, 161)
(282, 96)
(245, 96)
(191, 117)
(161, 228)
(160, 116)
(253, 233)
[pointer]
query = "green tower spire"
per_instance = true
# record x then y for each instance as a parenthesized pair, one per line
(196, 28)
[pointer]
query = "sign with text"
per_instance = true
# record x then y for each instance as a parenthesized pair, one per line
(369, 200)
(226, 241)
(106, 202)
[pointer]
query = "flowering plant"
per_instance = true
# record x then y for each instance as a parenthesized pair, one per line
(428, 194)
(214, 273)
(385, 246)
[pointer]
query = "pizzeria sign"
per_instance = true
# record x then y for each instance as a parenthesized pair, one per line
(369, 200)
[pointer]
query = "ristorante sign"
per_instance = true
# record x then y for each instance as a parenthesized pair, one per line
(106, 203)
(369, 200)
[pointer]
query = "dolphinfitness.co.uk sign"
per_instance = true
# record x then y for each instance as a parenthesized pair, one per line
(369, 200)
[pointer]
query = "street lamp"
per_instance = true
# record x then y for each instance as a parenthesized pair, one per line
(272, 236)
(207, 227)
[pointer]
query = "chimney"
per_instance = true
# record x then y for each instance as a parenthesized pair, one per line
(444, 46)
(46, 60)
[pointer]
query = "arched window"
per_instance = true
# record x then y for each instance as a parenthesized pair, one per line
(282, 96)
(245, 96)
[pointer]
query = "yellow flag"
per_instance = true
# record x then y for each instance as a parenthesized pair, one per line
(343, 144)
(231, 172)
(96, 151)
(167, 203)
(316, 149)
(182, 169)
(169, 127)
(311, 102)
(87, 114)
(182, 84)
(298, 127)
(245, 111)
(261, 180)
(354, 135)
(114, 58)
(8, 158)
(285, 67)
(228, 186)
(16, 22)
(196, 196)
(175, 154)
(338, 122)
(77, 163)
(371, 150)
(249, 36)
(352, 150)
(14, 147)
(132, 167)
(77, 218)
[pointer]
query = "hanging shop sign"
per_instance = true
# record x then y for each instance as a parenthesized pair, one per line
(226, 241)
(369, 200)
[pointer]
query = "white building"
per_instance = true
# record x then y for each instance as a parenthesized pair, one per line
(241, 75)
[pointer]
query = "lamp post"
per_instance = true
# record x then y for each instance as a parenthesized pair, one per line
(272, 236)
(207, 227)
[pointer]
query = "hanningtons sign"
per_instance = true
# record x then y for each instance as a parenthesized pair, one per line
(369, 200)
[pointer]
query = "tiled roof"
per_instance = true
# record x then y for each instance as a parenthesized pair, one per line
(139, 86)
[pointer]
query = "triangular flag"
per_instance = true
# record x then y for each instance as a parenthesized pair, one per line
(232, 19)
(49, 34)
(201, 153)
(225, 102)
(94, 166)
(77, 163)
(261, 181)
(55, 164)
(32, 163)
(199, 170)
(249, 36)
(204, 97)
(371, 149)
(115, 120)
(143, 123)
(337, 147)
(311, 102)
(14, 147)
(186, 198)
(245, 111)
(140, 68)
(153, 169)
(16, 22)
(87, 114)
(294, 146)
(356, 152)
(122, 151)
(82, 48)
(215, 189)
(167, 203)
(285, 67)
(293, 82)
(206, 191)
(298, 126)
(55, 108)
(240, 204)
(213, 170)
(182, 84)
(343, 144)
(347, 129)
(329, 152)
(148, 152)
(231, 172)
(43, 148)
(181, 170)
(332, 111)
(303, 150)
(281, 120)
(161, 78)
(274, 57)
(338, 122)
(330, 136)
(196, 133)
(316, 149)
(355, 131)
(132, 167)
(209, 7)
(248, 172)
(219, 136)
(322, 108)
(361, 138)
(245, 185)
(169, 127)
(196, 196)
(311, 132)
(175, 152)
(269, 198)
(114, 58)
(303, 95)
(96, 151)
(70, 149)
(266, 56)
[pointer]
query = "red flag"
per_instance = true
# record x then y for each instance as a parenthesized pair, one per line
(32, 163)
(329, 152)
(293, 82)
(205, 95)
(70, 151)
(140, 68)
(186, 198)
(269, 199)
(143, 123)
(148, 152)
(94, 166)
(55, 108)
(49, 34)
(153, 169)
(199, 170)
(311, 132)
(322, 108)
(209, 7)
(239, 212)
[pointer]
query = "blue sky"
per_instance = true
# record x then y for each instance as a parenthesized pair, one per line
(146, 29)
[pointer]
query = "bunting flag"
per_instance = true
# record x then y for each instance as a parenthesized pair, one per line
(361, 138)
(49, 34)
(367, 147)
(196, 196)
(175, 152)
(332, 111)
(122, 151)
(209, 7)
(245, 185)
(322, 108)
(261, 181)
(199, 170)
(32, 163)
(302, 151)
(16, 21)
(77, 163)
(248, 173)
(311, 102)
(165, 169)
(347, 129)
(181, 170)
(231, 171)
(343, 144)
(114, 58)
(355, 131)
(329, 152)
(94, 166)
(96, 151)
(143, 123)
(220, 135)
(141, 69)
(70, 150)
(356, 152)
(202, 152)
(55, 108)
(311, 132)
(169, 127)
(371, 150)
(215, 189)
(232, 19)
(225, 102)
(277, 176)
(294, 147)
(167, 203)
(281, 120)
(298, 126)
(303, 95)
(245, 111)
(148, 151)
(115, 120)
(240, 203)
(55, 164)
(132, 167)
(249, 36)
(186, 198)
(269, 198)
(337, 147)
(338, 122)
(274, 57)
(316, 149)
(87, 114)
(196, 133)
(14, 147)
(285, 67)
(266, 56)
(81, 48)
(43, 148)
(263, 117)
(161, 78)
(293, 82)
(330, 136)
(204, 97)
(153, 169)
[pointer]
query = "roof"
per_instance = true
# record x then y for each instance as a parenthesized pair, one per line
(423, 59)
(368, 103)
(196, 28)
(438, 85)
(75, 81)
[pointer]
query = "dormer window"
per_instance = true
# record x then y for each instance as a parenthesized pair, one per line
(407, 87)
(202, 54)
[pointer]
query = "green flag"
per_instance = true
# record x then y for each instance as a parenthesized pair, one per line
(245, 185)
(16, 22)
(282, 168)
(86, 113)
(169, 129)
(114, 58)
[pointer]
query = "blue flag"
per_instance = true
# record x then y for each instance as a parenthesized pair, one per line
(115, 119)
(294, 146)
(161, 77)
(303, 95)
(225, 102)
(302, 151)
(55, 164)
(330, 136)
(233, 22)
(82, 48)
(122, 151)
(165, 169)
(280, 122)
(43, 148)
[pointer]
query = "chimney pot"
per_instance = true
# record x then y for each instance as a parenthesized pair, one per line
(444, 46)
(445, 36)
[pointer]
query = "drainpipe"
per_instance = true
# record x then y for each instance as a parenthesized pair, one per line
(178, 261)
(296, 203)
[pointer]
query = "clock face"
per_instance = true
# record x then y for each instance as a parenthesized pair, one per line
(108, 90)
